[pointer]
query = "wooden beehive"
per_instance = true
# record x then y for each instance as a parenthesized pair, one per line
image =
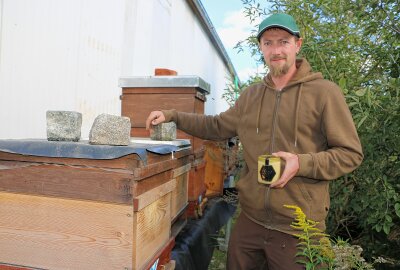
(222, 161)
(142, 95)
(83, 213)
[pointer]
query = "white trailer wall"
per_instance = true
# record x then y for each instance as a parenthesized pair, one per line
(69, 55)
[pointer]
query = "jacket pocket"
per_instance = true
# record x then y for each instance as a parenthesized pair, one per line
(310, 197)
(316, 194)
(251, 193)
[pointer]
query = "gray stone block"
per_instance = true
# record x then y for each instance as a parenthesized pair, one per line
(164, 132)
(111, 130)
(63, 125)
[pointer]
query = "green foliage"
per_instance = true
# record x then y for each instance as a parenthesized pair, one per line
(357, 45)
(317, 251)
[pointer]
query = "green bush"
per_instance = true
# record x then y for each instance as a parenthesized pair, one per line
(357, 45)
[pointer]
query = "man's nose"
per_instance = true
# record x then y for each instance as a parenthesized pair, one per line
(276, 49)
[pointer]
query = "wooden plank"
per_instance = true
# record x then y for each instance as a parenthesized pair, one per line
(66, 181)
(140, 187)
(53, 233)
(179, 195)
(152, 195)
(181, 170)
(155, 168)
(153, 225)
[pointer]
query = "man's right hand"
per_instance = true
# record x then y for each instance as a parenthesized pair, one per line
(155, 118)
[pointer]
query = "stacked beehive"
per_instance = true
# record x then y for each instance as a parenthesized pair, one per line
(68, 212)
(141, 95)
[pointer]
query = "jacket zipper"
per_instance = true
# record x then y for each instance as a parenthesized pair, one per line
(276, 108)
(278, 100)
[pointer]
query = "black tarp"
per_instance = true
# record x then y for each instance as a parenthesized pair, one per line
(81, 149)
(195, 244)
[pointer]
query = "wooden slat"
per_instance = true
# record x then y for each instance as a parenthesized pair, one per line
(140, 187)
(54, 233)
(181, 170)
(153, 225)
(155, 168)
(152, 195)
(66, 181)
(180, 194)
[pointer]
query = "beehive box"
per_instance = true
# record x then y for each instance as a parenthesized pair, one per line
(86, 213)
(222, 162)
(142, 95)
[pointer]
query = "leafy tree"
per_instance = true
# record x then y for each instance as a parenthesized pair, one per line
(357, 45)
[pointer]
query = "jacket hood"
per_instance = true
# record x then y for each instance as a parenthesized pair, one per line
(304, 74)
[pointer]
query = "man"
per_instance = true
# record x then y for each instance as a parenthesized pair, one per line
(296, 115)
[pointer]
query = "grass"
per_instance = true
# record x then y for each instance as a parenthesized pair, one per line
(218, 261)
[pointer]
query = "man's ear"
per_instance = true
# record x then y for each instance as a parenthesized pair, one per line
(299, 42)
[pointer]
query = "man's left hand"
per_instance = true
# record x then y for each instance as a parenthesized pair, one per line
(291, 168)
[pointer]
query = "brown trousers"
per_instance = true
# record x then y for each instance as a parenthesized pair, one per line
(252, 246)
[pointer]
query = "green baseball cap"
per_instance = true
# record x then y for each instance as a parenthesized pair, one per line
(279, 20)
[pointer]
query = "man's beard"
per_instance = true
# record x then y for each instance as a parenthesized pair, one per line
(277, 71)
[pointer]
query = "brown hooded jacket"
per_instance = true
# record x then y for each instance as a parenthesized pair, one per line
(308, 117)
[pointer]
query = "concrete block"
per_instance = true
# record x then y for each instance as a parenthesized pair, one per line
(164, 132)
(63, 125)
(110, 130)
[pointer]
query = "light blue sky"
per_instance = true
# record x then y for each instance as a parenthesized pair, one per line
(232, 26)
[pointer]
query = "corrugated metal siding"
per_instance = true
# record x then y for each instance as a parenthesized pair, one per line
(69, 54)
